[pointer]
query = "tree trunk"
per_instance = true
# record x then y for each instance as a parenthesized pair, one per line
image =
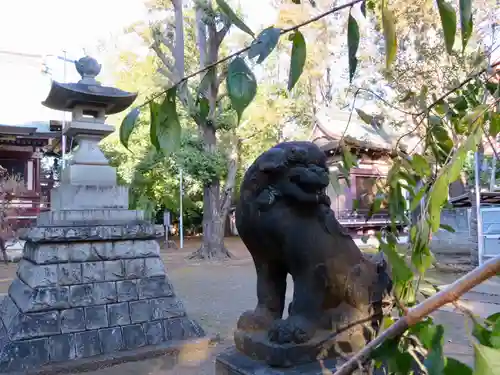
(212, 246)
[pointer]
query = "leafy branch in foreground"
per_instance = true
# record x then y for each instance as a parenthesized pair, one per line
(487, 357)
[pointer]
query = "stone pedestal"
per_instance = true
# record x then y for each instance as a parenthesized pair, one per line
(90, 283)
(232, 362)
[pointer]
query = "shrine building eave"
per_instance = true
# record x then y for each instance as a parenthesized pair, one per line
(65, 96)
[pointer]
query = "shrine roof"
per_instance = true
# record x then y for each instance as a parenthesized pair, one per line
(34, 129)
(331, 127)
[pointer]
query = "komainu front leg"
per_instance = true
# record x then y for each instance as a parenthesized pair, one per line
(304, 314)
(271, 289)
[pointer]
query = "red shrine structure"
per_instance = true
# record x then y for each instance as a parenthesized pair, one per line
(22, 148)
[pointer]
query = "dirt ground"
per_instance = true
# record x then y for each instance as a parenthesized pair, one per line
(216, 293)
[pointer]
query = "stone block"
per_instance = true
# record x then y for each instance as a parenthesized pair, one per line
(38, 299)
(134, 268)
(154, 287)
(83, 174)
(37, 275)
(127, 290)
(82, 295)
(93, 271)
(70, 273)
(105, 292)
(45, 253)
(88, 217)
(62, 347)
(118, 314)
(96, 317)
(134, 336)
(154, 267)
(146, 248)
(132, 231)
(81, 252)
(114, 270)
(24, 355)
(182, 329)
(167, 307)
(8, 311)
(120, 250)
(87, 344)
(140, 311)
(72, 320)
(31, 325)
(154, 332)
(111, 340)
(84, 197)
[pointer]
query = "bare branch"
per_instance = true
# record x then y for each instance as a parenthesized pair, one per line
(163, 57)
(179, 37)
(166, 73)
(201, 36)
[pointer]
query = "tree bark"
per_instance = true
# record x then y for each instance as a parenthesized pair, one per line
(214, 217)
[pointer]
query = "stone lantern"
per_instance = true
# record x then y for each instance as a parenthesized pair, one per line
(91, 284)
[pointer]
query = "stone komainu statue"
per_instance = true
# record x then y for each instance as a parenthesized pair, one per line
(284, 218)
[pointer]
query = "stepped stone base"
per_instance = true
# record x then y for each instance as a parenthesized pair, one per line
(88, 290)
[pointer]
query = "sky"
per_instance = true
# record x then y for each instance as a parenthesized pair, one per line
(77, 27)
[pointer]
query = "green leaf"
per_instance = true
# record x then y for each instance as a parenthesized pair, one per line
(352, 45)
(495, 335)
(204, 108)
(334, 180)
(486, 361)
(422, 258)
(235, 20)
(375, 206)
(425, 331)
(241, 85)
(466, 21)
(368, 119)
(449, 23)
(400, 270)
(127, 126)
(391, 44)
(264, 44)
(363, 8)
(494, 124)
(455, 367)
(348, 158)
(420, 165)
(447, 228)
(298, 58)
(417, 198)
(482, 334)
(492, 319)
(493, 88)
(438, 195)
(435, 359)
(165, 131)
(154, 110)
(205, 82)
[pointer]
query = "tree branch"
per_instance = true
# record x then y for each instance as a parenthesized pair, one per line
(164, 59)
(448, 295)
(245, 49)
